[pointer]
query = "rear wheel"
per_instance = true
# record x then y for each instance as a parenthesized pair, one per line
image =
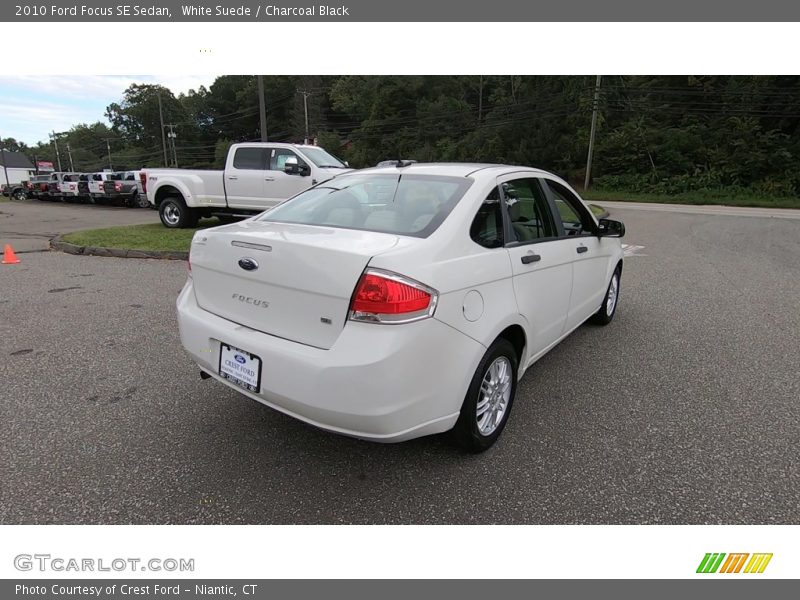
(19, 195)
(175, 214)
(489, 398)
(141, 201)
(609, 306)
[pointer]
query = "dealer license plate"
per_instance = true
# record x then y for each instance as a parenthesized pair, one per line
(240, 367)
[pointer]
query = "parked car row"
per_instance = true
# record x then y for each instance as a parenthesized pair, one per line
(122, 188)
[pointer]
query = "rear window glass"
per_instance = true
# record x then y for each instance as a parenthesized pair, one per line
(413, 205)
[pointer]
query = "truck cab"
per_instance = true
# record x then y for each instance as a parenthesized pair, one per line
(257, 176)
(261, 175)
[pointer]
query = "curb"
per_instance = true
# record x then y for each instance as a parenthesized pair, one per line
(59, 244)
(603, 215)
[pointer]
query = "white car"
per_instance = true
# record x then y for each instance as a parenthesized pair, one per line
(392, 303)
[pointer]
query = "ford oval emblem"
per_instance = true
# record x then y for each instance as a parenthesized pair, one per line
(240, 359)
(248, 264)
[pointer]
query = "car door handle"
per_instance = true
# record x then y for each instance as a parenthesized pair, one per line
(269, 179)
(582, 249)
(530, 258)
(232, 177)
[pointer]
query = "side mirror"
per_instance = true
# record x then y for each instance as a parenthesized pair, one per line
(292, 167)
(611, 228)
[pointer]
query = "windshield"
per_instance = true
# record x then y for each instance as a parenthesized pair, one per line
(413, 205)
(322, 159)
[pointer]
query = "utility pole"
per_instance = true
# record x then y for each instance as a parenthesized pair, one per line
(592, 132)
(172, 135)
(163, 138)
(108, 146)
(262, 108)
(480, 99)
(305, 110)
(69, 153)
(5, 168)
(58, 156)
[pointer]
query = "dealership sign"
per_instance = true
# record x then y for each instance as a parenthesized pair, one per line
(44, 165)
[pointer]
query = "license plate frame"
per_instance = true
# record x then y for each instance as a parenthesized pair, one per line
(243, 380)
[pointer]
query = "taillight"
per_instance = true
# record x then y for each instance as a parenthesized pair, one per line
(118, 187)
(386, 297)
(143, 181)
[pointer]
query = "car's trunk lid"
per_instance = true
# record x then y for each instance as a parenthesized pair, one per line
(291, 281)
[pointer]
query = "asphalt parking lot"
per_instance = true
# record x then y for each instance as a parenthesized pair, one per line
(685, 410)
(29, 225)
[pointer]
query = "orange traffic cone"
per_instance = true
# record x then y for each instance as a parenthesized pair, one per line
(9, 256)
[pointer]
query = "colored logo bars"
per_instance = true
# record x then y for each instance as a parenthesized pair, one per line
(734, 562)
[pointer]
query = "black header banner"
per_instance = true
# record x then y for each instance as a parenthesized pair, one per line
(403, 11)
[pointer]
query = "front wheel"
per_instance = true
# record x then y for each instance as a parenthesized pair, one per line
(489, 398)
(19, 195)
(175, 214)
(609, 306)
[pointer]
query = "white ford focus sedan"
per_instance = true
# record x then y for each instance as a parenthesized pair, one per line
(401, 301)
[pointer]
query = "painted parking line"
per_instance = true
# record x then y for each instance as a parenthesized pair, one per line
(632, 250)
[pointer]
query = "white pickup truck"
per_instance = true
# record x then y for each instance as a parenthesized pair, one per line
(257, 176)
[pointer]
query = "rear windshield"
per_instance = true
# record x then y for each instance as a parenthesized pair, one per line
(413, 205)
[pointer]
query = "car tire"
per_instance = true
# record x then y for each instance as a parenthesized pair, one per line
(608, 309)
(489, 399)
(175, 214)
(20, 195)
(227, 219)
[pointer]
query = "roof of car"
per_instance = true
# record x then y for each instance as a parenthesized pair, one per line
(451, 169)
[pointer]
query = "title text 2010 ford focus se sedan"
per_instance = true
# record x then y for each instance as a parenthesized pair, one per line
(396, 302)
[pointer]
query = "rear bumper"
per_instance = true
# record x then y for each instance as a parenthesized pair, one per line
(377, 382)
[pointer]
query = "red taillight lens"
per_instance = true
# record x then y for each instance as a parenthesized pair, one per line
(143, 181)
(384, 297)
(118, 187)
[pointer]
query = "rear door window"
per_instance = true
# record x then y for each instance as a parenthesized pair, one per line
(528, 211)
(254, 159)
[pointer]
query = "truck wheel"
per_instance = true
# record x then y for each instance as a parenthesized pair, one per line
(175, 214)
(19, 195)
(141, 201)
